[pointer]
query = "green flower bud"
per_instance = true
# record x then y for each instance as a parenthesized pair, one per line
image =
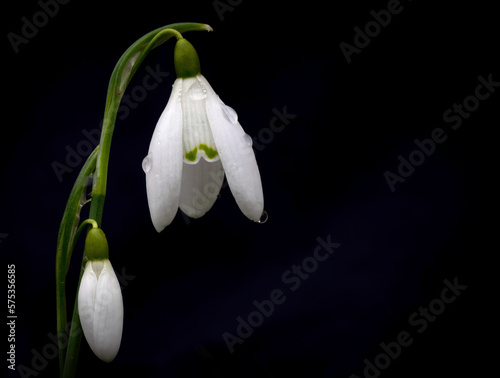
(187, 63)
(96, 245)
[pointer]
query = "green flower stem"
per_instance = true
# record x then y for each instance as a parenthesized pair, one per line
(75, 336)
(86, 222)
(120, 78)
(65, 242)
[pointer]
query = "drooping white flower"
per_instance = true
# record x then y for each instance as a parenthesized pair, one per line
(196, 141)
(100, 307)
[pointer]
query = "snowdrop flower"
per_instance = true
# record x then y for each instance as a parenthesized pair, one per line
(196, 141)
(100, 303)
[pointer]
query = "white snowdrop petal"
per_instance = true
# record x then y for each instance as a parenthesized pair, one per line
(201, 184)
(197, 137)
(86, 299)
(108, 323)
(100, 306)
(163, 165)
(236, 154)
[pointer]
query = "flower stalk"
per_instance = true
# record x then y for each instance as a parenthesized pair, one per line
(68, 234)
(97, 166)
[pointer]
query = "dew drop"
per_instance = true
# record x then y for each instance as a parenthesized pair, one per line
(263, 217)
(230, 113)
(196, 92)
(146, 164)
(248, 139)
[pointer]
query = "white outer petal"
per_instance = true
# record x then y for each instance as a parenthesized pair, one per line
(86, 299)
(237, 156)
(100, 306)
(108, 310)
(201, 183)
(163, 180)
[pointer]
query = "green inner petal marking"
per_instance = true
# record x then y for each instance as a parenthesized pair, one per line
(191, 155)
(209, 151)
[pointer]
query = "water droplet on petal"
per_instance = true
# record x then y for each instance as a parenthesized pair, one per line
(230, 113)
(146, 164)
(263, 217)
(196, 92)
(248, 139)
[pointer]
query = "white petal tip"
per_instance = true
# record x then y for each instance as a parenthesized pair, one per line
(161, 221)
(107, 356)
(159, 228)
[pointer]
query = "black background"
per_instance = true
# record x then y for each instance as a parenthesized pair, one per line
(323, 177)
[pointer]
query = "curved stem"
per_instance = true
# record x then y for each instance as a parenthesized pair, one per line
(83, 225)
(75, 335)
(120, 78)
(65, 243)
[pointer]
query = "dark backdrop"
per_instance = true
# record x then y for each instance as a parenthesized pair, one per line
(325, 178)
